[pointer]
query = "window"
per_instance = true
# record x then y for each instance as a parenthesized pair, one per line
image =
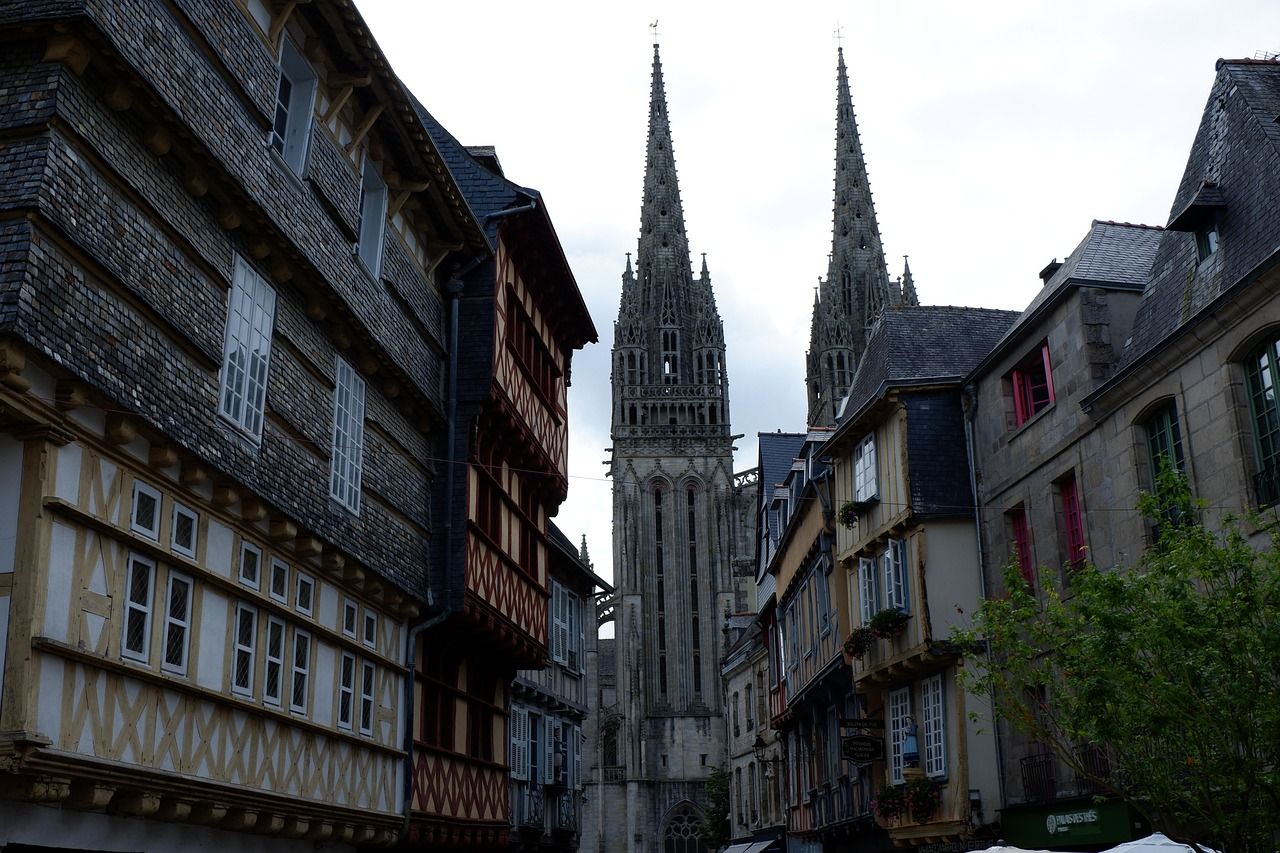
(346, 690)
(1262, 369)
(864, 470)
(244, 642)
(899, 721)
(279, 588)
(1072, 525)
(304, 594)
(896, 587)
(250, 564)
(246, 350)
(370, 628)
(1164, 442)
(301, 670)
(481, 687)
(146, 511)
(934, 727)
(824, 599)
(183, 534)
(670, 356)
(348, 437)
(136, 643)
(295, 93)
(350, 612)
(177, 624)
(867, 589)
(1032, 382)
(439, 694)
(737, 730)
(1207, 240)
(273, 676)
(366, 698)
(1022, 543)
(373, 217)
(747, 707)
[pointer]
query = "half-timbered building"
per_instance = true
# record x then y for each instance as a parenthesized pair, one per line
(522, 316)
(225, 234)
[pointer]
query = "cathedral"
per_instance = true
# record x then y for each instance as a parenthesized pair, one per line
(684, 522)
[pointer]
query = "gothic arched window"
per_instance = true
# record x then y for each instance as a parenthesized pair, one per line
(680, 835)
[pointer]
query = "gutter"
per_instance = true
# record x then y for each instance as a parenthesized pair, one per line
(969, 402)
(453, 291)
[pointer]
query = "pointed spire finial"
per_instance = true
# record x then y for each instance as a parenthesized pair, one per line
(628, 263)
(705, 273)
(909, 296)
(584, 556)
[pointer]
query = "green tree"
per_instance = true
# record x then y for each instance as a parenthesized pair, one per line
(1159, 682)
(715, 829)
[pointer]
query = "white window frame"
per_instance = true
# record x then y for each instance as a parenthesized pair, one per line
(153, 532)
(301, 640)
(899, 713)
(373, 217)
(368, 709)
(274, 662)
(370, 637)
(182, 623)
(346, 460)
(864, 469)
(242, 388)
(248, 650)
(304, 580)
(256, 581)
(867, 592)
(346, 690)
(292, 145)
(350, 608)
(279, 569)
(897, 592)
(933, 726)
(145, 607)
(180, 511)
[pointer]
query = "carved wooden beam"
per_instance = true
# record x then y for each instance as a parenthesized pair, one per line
(367, 362)
(193, 474)
(229, 218)
(135, 803)
(320, 831)
(12, 362)
(281, 270)
(357, 81)
(259, 249)
(208, 814)
(224, 495)
(196, 181)
(282, 530)
(252, 509)
(337, 104)
(280, 20)
(354, 576)
(295, 827)
(90, 795)
(120, 429)
(71, 50)
(333, 561)
(240, 819)
(269, 823)
(69, 394)
(171, 809)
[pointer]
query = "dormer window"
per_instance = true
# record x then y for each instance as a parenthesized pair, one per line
(295, 96)
(1207, 240)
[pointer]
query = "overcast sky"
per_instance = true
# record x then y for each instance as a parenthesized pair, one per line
(994, 134)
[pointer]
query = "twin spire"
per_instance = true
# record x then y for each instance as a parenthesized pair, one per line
(857, 287)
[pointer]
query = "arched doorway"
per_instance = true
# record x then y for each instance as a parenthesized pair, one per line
(680, 834)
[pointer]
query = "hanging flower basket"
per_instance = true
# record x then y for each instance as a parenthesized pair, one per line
(890, 803)
(847, 514)
(923, 797)
(888, 623)
(858, 641)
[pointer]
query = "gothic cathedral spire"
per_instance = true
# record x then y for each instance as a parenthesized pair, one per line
(857, 287)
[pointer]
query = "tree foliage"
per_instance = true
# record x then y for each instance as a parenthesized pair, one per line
(715, 831)
(1159, 682)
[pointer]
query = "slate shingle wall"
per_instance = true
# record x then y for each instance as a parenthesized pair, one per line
(937, 458)
(152, 305)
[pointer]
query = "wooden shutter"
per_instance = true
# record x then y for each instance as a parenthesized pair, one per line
(519, 734)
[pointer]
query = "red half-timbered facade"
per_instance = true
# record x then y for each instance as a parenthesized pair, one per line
(511, 461)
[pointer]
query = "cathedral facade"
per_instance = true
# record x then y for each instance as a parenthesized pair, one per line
(680, 531)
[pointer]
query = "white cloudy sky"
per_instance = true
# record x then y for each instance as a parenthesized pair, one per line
(994, 133)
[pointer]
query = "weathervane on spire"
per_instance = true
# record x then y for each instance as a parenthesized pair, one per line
(838, 34)
(654, 27)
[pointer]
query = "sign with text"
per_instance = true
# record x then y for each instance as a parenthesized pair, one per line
(862, 749)
(860, 724)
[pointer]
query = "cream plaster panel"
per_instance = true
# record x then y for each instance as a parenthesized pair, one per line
(61, 579)
(10, 493)
(95, 420)
(219, 539)
(49, 716)
(325, 684)
(4, 640)
(327, 613)
(211, 644)
(66, 484)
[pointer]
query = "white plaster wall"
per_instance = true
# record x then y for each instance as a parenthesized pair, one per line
(325, 684)
(218, 541)
(57, 604)
(10, 483)
(26, 823)
(49, 698)
(66, 484)
(212, 643)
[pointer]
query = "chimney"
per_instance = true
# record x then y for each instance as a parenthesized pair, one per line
(1047, 273)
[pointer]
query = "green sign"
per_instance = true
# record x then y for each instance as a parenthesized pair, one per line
(1072, 825)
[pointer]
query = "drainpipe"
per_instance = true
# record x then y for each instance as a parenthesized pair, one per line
(969, 400)
(453, 291)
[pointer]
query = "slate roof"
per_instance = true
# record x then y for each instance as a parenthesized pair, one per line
(913, 344)
(777, 451)
(1112, 254)
(1239, 150)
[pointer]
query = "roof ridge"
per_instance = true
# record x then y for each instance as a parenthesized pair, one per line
(1128, 224)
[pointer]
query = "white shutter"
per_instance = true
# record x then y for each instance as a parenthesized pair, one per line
(575, 764)
(899, 720)
(549, 751)
(867, 584)
(934, 746)
(519, 735)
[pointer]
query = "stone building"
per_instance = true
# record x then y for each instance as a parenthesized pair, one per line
(680, 521)
(1148, 344)
(224, 243)
(857, 286)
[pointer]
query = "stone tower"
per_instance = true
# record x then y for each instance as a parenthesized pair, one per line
(677, 526)
(857, 285)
